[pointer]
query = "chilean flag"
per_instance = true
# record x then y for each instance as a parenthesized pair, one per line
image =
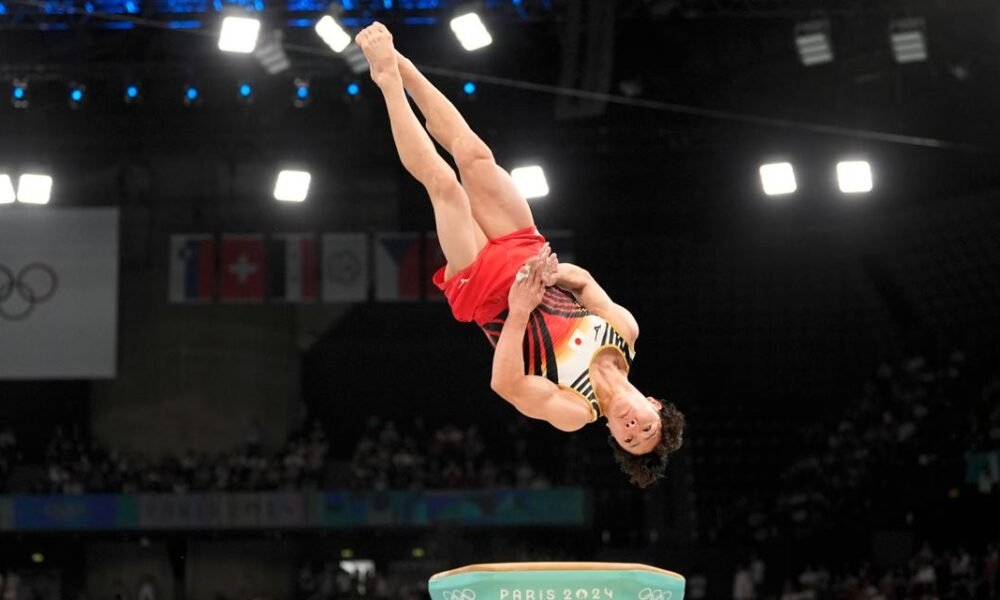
(241, 268)
(192, 268)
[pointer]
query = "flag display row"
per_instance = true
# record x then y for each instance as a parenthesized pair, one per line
(306, 267)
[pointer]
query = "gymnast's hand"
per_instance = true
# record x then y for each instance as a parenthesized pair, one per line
(528, 288)
(550, 271)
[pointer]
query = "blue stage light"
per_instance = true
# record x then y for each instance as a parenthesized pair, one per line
(132, 92)
(191, 95)
(469, 88)
(19, 94)
(77, 92)
(245, 90)
(3, 8)
(182, 7)
(353, 89)
(302, 96)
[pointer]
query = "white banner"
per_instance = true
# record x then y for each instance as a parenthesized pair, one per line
(58, 292)
(345, 267)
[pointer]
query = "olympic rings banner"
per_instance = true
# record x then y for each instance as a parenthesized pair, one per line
(58, 293)
(558, 507)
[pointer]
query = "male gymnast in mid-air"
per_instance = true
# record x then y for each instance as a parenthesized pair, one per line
(563, 348)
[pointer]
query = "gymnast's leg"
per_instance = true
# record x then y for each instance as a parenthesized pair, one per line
(497, 205)
(460, 237)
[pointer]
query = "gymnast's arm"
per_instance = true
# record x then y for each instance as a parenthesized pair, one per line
(593, 297)
(533, 396)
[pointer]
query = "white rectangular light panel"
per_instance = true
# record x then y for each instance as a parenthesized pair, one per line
(909, 42)
(812, 39)
(34, 189)
(7, 195)
(530, 181)
(471, 32)
(854, 177)
(778, 179)
(331, 32)
(239, 34)
(292, 186)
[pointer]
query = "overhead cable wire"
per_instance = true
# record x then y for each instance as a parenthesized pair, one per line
(555, 90)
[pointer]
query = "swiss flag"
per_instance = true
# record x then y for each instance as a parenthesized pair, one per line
(241, 268)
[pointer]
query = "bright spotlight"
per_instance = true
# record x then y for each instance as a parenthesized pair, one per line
(19, 94)
(471, 32)
(332, 33)
(270, 53)
(530, 181)
(355, 59)
(34, 189)
(7, 195)
(239, 34)
(777, 179)
(854, 177)
(909, 43)
(292, 186)
(77, 93)
(813, 41)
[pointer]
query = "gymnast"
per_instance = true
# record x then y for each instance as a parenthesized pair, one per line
(563, 348)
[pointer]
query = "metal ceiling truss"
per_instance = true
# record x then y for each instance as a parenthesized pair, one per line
(63, 15)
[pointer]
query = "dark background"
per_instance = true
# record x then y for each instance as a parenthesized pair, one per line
(761, 318)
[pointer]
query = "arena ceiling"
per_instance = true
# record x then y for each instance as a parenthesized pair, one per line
(699, 86)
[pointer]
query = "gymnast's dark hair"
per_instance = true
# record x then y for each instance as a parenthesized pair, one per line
(645, 469)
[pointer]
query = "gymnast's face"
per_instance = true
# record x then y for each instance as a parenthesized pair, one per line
(635, 423)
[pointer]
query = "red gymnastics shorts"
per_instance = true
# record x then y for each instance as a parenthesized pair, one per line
(479, 291)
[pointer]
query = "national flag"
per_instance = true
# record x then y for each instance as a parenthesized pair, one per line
(292, 267)
(434, 259)
(397, 267)
(241, 268)
(192, 268)
(345, 267)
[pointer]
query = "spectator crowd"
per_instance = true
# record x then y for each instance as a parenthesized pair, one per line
(412, 457)
(74, 464)
(955, 574)
(904, 442)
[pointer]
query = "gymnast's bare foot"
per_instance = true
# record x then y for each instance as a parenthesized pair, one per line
(376, 42)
